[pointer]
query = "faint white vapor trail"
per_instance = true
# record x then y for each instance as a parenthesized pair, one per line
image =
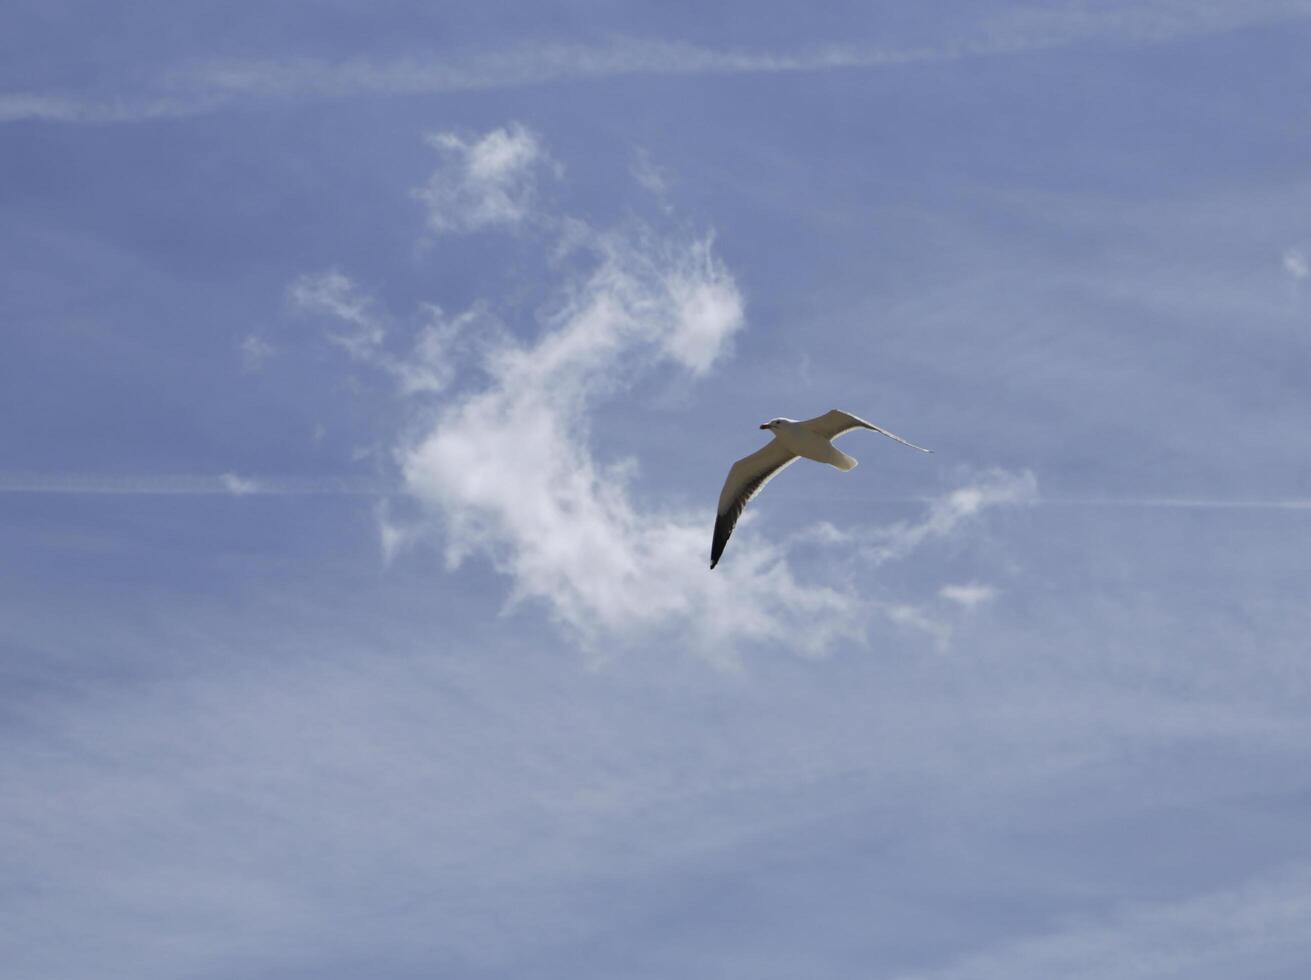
(222, 484)
(1182, 503)
(1163, 503)
(234, 485)
(188, 90)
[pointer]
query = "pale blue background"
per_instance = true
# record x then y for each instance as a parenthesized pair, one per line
(1068, 240)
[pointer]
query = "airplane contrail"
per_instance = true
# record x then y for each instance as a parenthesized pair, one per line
(195, 89)
(221, 484)
(1165, 503)
(238, 485)
(1184, 503)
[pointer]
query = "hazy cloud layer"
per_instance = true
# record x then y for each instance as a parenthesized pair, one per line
(1074, 741)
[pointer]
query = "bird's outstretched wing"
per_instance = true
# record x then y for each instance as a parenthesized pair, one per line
(832, 424)
(745, 480)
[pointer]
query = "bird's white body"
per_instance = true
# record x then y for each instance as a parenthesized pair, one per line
(799, 440)
(793, 440)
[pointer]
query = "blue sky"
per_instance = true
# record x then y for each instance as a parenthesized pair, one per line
(369, 376)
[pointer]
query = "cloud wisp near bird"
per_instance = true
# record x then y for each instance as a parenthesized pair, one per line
(792, 440)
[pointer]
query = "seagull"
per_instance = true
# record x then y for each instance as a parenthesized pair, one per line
(812, 439)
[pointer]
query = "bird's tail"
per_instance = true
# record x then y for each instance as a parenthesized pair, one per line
(842, 461)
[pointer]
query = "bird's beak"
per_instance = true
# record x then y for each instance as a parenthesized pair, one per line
(765, 426)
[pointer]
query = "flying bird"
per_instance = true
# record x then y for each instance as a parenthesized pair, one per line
(812, 439)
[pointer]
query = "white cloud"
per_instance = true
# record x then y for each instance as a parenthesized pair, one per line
(646, 173)
(970, 596)
(509, 472)
(913, 617)
(484, 182)
(395, 534)
(255, 353)
(239, 486)
(1295, 264)
(991, 489)
(438, 344)
(333, 294)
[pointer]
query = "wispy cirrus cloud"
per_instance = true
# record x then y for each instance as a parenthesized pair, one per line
(1208, 935)
(486, 181)
(946, 514)
(255, 352)
(360, 327)
(969, 595)
(205, 87)
(645, 171)
(1296, 265)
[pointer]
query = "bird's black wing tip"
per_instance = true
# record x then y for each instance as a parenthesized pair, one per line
(717, 553)
(723, 530)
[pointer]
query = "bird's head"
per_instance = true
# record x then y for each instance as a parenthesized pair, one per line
(772, 423)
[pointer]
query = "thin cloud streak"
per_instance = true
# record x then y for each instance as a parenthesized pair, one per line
(1164, 503)
(1199, 935)
(183, 484)
(215, 85)
(1181, 503)
(231, 484)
